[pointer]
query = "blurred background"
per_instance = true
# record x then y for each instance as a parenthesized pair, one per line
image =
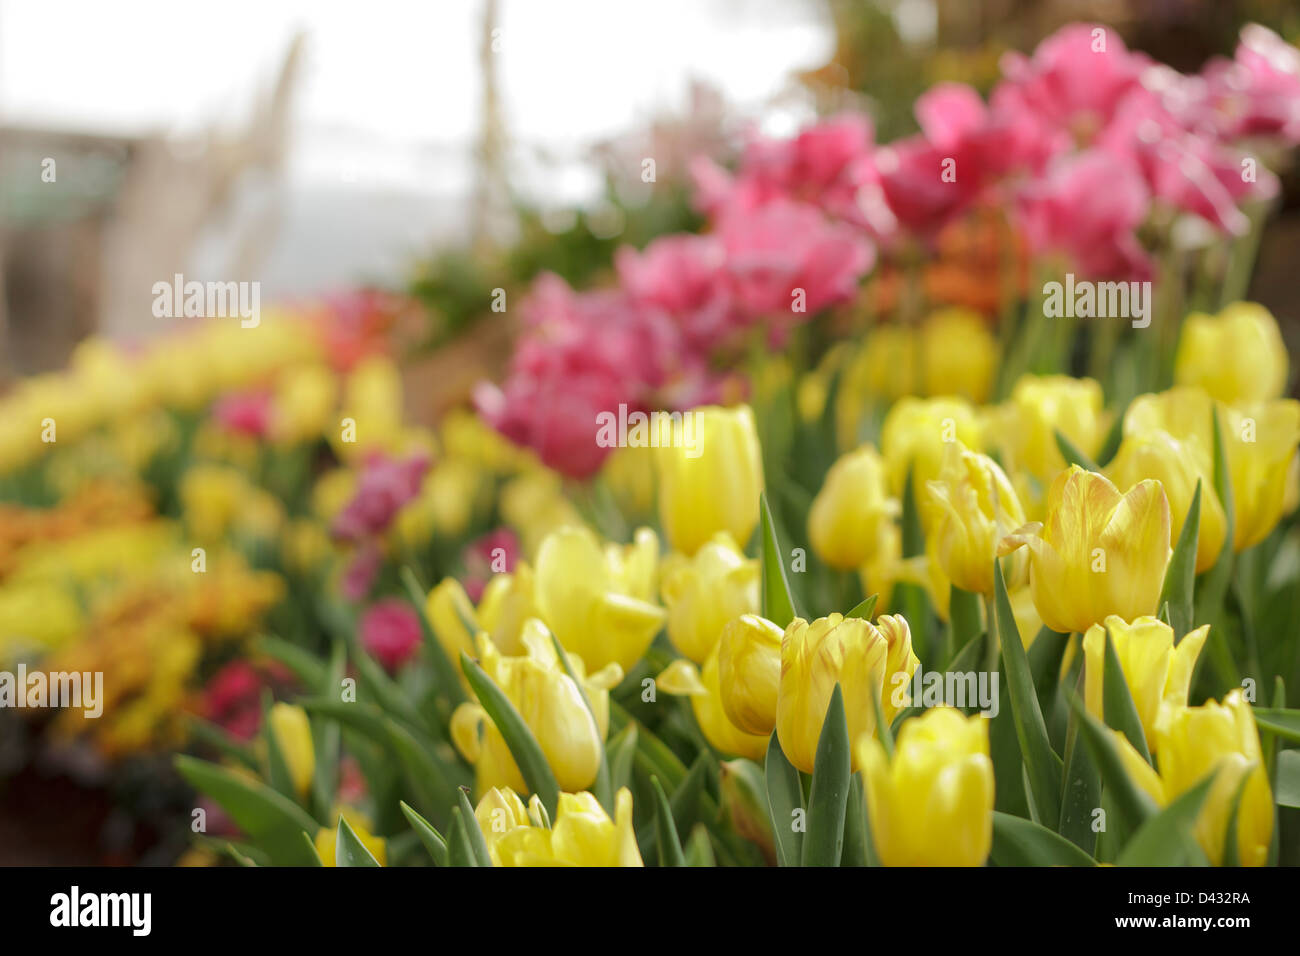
(437, 150)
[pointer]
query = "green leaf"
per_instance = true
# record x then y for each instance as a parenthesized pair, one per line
(307, 666)
(670, 848)
(1117, 703)
(1042, 765)
(1231, 854)
(518, 736)
(828, 799)
(221, 740)
(272, 821)
(784, 797)
(699, 851)
(865, 608)
(473, 832)
(778, 602)
(964, 617)
(277, 768)
(1166, 838)
(311, 847)
(459, 850)
(431, 838)
(348, 848)
(1284, 723)
(1080, 789)
(857, 839)
(1288, 778)
(1179, 589)
(1114, 438)
(1021, 842)
(1132, 804)
(1072, 454)
(621, 752)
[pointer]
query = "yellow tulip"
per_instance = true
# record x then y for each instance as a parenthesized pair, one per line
(851, 509)
(582, 835)
(629, 475)
(498, 812)
(305, 397)
(550, 703)
(1237, 356)
(373, 400)
(712, 481)
(1025, 427)
(326, 836)
(967, 512)
(1260, 443)
(292, 732)
(1158, 674)
(1196, 741)
(915, 432)
(451, 615)
(931, 804)
(506, 604)
(706, 591)
(1100, 552)
(681, 678)
(865, 659)
(749, 672)
(958, 354)
(599, 601)
(1177, 466)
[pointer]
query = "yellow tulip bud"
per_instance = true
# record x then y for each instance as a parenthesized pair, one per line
(931, 804)
(1177, 466)
(598, 600)
(1237, 356)
(326, 837)
(498, 812)
(550, 703)
(702, 686)
(506, 604)
(451, 615)
(967, 512)
(1039, 407)
(958, 354)
(582, 835)
(1158, 674)
(915, 432)
(1100, 552)
(712, 480)
(703, 593)
(1260, 443)
(865, 659)
(292, 732)
(304, 403)
(849, 513)
(1218, 738)
(749, 672)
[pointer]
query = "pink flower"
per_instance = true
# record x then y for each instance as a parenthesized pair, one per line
(390, 632)
(783, 247)
(1088, 206)
(386, 485)
(244, 413)
(1257, 93)
(684, 276)
(359, 576)
(494, 553)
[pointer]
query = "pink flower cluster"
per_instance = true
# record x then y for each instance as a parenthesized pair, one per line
(1080, 142)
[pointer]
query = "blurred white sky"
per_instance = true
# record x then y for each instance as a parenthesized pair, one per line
(390, 93)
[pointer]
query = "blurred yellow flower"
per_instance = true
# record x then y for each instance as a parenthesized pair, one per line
(1238, 356)
(1024, 428)
(914, 435)
(682, 678)
(704, 592)
(749, 672)
(958, 354)
(292, 732)
(851, 510)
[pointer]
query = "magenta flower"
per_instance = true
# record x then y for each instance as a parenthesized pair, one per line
(390, 632)
(244, 413)
(494, 553)
(685, 277)
(1257, 92)
(386, 485)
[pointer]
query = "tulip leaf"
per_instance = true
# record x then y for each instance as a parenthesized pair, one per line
(823, 844)
(1041, 762)
(621, 753)
(699, 850)
(272, 821)
(473, 832)
(865, 608)
(221, 740)
(1276, 720)
(1179, 588)
(305, 665)
(348, 848)
(964, 617)
(884, 732)
(277, 767)
(327, 736)
(431, 838)
(459, 850)
(518, 737)
(1132, 804)
(1021, 842)
(778, 601)
(1114, 438)
(443, 669)
(670, 847)
(311, 848)
(857, 851)
(1117, 702)
(784, 800)
(1287, 790)
(652, 754)
(1214, 583)
(1080, 789)
(1166, 838)
(1072, 454)
(1231, 853)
